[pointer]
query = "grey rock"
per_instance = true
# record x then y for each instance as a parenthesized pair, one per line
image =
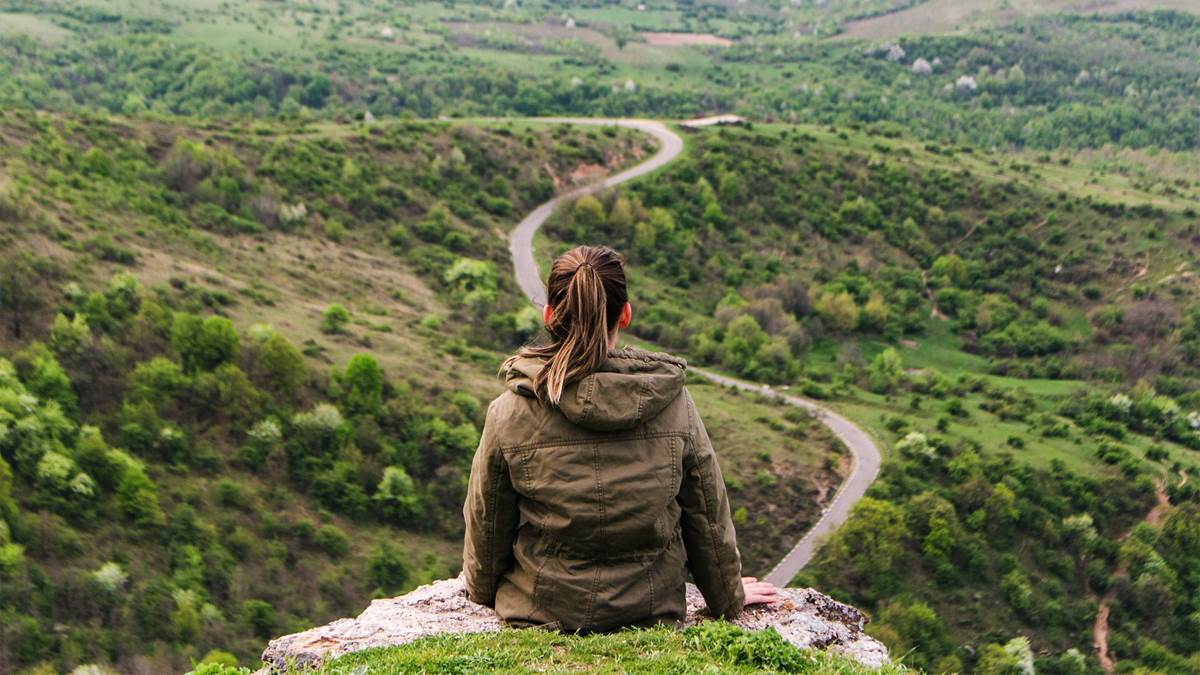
(803, 617)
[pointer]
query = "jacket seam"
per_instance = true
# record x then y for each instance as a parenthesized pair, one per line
(591, 613)
(537, 580)
(589, 402)
(650, 582)
(599, 485)
(529, 491)
(492, 498)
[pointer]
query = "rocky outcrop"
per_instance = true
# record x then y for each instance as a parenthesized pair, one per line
(803, 617)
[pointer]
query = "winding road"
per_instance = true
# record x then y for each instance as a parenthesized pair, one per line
(865, 458)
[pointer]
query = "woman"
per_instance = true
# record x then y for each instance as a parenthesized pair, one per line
(595, 488)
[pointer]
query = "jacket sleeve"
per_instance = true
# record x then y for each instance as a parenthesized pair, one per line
(491, 517)
(708, 533)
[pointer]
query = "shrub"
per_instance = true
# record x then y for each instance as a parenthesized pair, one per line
(362, 382)
(332, 541)
(386, 569)
(397, 496)
(334, 320)
(110, 577)
(11, 557)
(276, 365)
(259, 617)
(203, 344)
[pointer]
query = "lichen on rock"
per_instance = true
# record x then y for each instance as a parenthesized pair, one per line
(803, 617)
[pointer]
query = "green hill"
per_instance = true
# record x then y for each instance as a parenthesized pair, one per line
(244, 369)
(986, 319)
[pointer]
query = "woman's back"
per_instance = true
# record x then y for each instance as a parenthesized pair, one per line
(586, 515)
(595, 488)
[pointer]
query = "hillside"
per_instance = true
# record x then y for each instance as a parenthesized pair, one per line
(256, 359)
(1087, 80)
(942, 297)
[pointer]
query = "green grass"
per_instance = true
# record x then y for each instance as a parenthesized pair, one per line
(711, 648)
(992, 433)
(23, 24)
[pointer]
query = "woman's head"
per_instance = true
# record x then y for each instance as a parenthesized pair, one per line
(586, 302)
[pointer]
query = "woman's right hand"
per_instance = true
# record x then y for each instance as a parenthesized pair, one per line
(758, 592)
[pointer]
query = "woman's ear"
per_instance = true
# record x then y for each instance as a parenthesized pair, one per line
(626, 316)
(547, 314)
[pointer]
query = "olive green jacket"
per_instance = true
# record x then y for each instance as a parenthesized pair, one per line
(587, 516)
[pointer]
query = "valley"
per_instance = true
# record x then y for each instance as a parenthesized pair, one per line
(261, 262)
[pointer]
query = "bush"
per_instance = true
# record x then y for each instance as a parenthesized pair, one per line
(259, 617)
(334, 320)
(203, 344)
(386, 569)
(332, 541)
(362, 382)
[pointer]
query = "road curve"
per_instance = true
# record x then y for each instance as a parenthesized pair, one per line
(521, 239)
(865, 458)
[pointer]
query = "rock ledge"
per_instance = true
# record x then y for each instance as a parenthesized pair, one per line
(803, 617)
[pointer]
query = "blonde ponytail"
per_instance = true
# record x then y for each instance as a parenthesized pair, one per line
(587, 292)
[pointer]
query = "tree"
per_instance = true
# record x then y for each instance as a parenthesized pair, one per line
(397, 496)
(588, 217)
(886, 371)
(386, 568)
(921, 632)
(68, 336)
(45, 377)
(621, 218)
(1014, 658)
(362, 383)
(875, 312)
(334, 320)
(869, 544)
(1001, 507)
(203, 344)
(474, 283)
(743, 339)
(838, 310)
(950, 269)
(277, 365)
(19, 297)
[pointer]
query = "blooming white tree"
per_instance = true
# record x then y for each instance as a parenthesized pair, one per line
(1120, 403)
(110, 576)
(965, 85)
(915, 443)
(921, 67)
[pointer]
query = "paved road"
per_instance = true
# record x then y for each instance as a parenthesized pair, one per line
(864, 455)
(521, 239)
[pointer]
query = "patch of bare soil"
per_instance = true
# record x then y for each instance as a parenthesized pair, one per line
(587, 173)
(685, 39)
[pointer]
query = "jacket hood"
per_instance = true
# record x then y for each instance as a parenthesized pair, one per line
(630, 387)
